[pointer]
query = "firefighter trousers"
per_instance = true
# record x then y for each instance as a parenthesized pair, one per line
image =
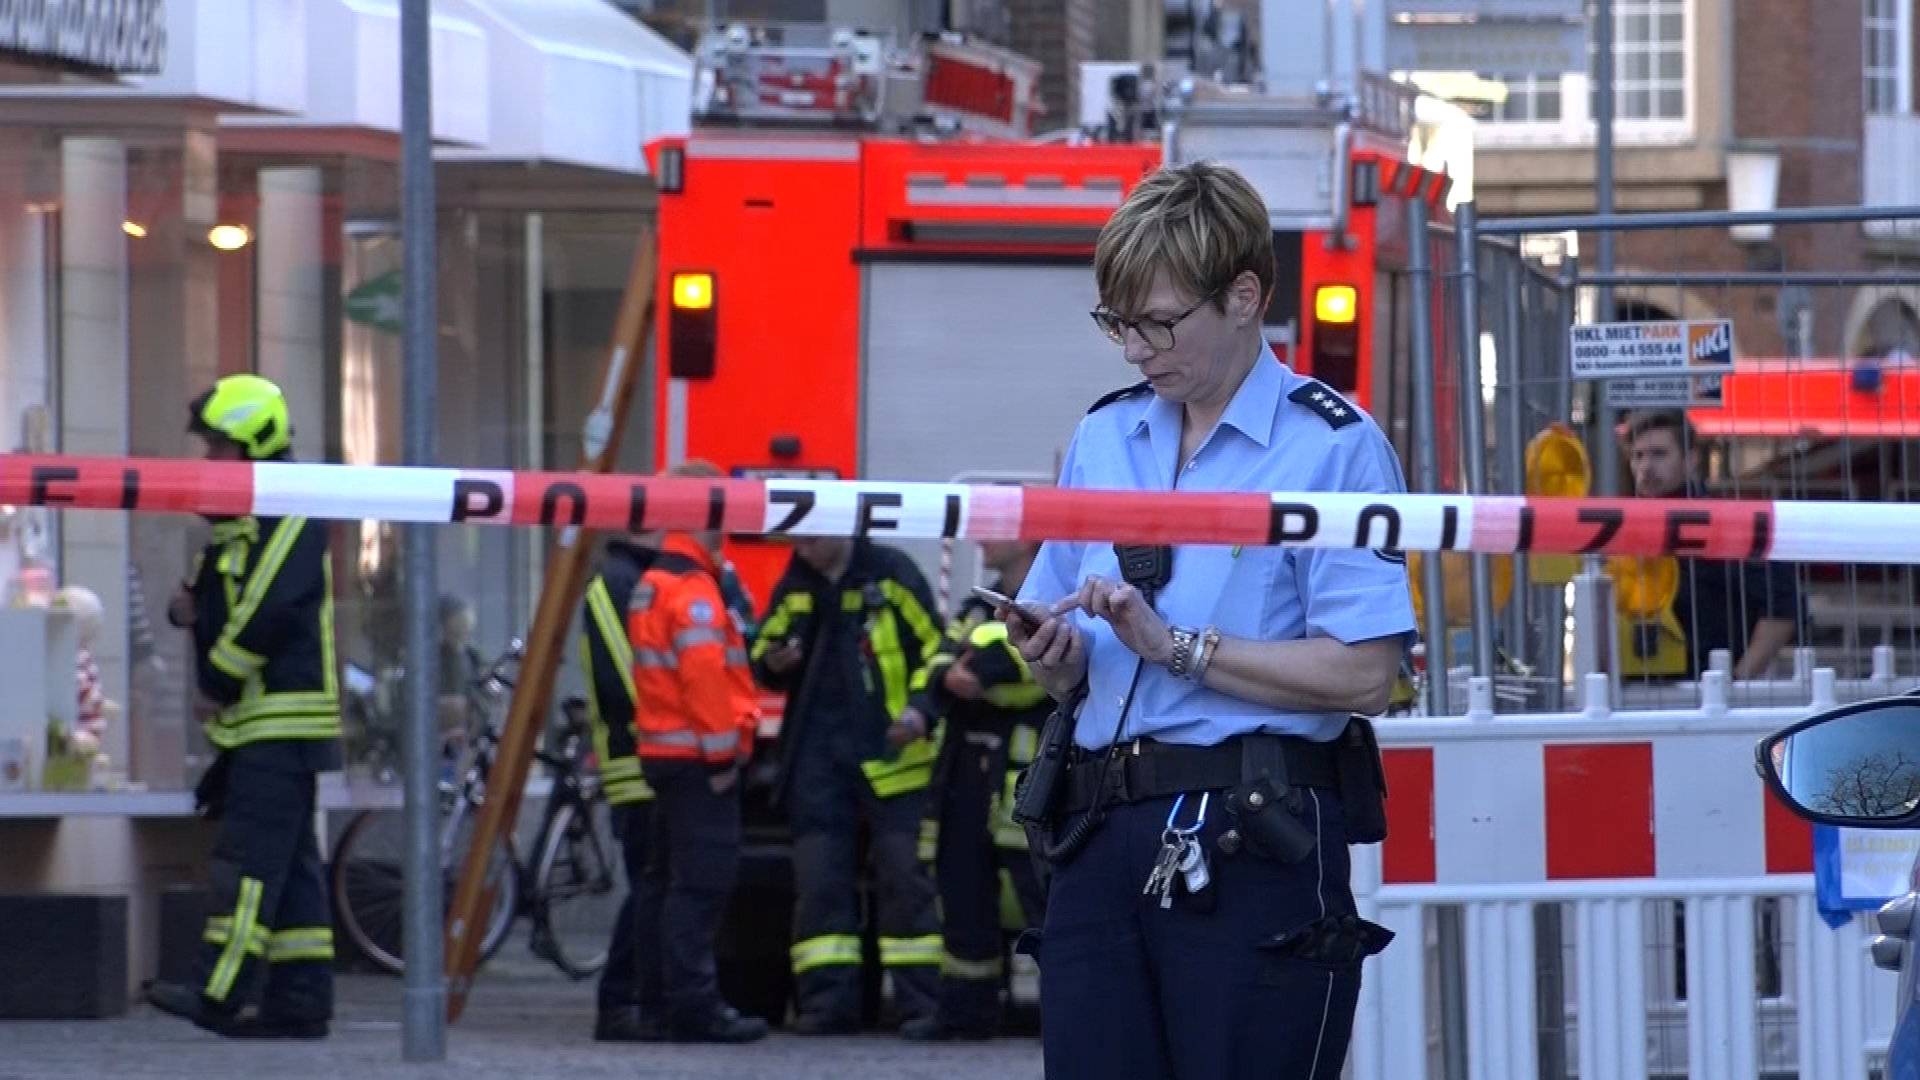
(620, 979)
(831, 800)
(270, 917)
(973, 872)
(693, 859)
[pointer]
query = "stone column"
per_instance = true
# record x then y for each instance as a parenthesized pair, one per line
(92, 378)
(173, 299)
(292, 299)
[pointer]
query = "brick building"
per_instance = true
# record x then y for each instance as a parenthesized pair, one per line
(1713, 97)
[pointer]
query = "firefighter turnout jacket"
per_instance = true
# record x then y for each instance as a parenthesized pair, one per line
(263, 631)
(867, 637)
(1003, 724)
(608, 657)
(693, 691)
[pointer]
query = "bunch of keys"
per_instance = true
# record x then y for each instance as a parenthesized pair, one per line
(1182, 858)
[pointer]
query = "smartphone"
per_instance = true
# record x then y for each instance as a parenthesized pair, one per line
(1002, 600)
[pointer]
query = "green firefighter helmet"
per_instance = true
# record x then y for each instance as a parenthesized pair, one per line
(246, 410)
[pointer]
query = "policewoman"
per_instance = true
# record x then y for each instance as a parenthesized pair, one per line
(1199, 919)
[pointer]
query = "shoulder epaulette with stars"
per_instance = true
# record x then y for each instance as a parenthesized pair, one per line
(1325, 403)
(1121, 394)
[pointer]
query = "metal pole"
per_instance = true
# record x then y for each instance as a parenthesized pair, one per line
(1450, 949)
(1853, 279)
(424, 1008)
(1426, 469)
(1473, 413)
(1607, 481)
(1549, 953)
(1566, 313)
(1696, 219)
(1510, 397)
(1568, 310)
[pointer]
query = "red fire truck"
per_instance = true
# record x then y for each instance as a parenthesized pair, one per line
(857, 287)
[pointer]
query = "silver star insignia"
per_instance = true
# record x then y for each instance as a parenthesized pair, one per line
(1319, 395)
(1339, 412)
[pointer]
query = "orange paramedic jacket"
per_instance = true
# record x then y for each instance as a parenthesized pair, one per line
(694, 698)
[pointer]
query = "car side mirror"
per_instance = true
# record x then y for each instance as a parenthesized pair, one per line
(1858, 765)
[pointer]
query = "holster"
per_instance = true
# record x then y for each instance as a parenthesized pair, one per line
(1267, 803)
(1038, 790)
(1363, 783)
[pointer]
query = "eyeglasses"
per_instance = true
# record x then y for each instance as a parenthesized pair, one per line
(1157, 333)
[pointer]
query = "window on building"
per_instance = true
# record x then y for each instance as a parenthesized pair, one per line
(1649, 60)
(1886, 55)
(1531, 99)
(1893, 330)
(1653, 41)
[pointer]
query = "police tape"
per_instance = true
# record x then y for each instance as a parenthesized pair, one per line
(1713, 528)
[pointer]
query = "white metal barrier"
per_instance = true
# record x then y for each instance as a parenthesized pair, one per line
(1607, 813)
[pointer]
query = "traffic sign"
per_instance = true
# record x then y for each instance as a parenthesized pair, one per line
(1672, 348)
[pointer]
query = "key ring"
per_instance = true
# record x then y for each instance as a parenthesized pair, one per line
(1170, 833)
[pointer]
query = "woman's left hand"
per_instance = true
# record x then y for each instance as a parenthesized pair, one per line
(1134, 622)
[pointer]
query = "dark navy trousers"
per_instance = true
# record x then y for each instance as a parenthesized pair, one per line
(1130, 990)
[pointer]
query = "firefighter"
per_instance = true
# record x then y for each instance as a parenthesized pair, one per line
(608, 658)
(260, 606)
(695, 718)
(848, 627)
(991, 711)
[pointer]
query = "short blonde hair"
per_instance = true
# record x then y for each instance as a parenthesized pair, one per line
(1202, 224)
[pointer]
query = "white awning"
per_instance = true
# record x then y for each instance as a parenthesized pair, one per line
(580, 83)
(351, 72)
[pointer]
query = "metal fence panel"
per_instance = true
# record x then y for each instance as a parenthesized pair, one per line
(1824, 403)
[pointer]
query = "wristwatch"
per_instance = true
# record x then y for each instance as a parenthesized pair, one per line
(1180, 664)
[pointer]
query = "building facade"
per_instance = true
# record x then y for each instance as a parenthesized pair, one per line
(1735, 104)
(237, 210)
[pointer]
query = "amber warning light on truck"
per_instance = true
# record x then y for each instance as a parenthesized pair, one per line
(1336, 304)
(692, 329)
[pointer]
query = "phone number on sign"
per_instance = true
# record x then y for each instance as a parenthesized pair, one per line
(1650, 349)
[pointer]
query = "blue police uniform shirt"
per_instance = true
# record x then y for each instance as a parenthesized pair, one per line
(1281, 432)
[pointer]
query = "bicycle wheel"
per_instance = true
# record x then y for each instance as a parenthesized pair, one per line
(576, 901)
(503, 878)
(366, 885)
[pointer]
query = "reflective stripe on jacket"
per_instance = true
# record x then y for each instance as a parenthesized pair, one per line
(263, 631)
(608, 659)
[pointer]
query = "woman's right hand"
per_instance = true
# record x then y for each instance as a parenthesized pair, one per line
(1056, 650)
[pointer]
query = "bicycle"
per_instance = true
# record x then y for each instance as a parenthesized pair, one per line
(566, 890)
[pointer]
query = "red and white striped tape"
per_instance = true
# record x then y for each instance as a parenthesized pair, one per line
(1742, 529)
